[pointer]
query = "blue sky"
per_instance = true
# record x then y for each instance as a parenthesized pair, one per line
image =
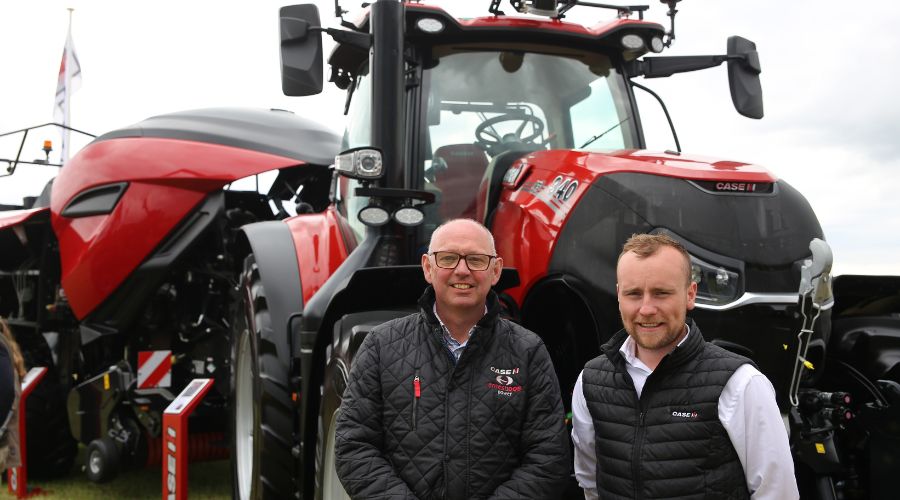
(828, 79)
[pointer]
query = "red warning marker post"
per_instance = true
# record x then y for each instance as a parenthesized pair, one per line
(175, 439)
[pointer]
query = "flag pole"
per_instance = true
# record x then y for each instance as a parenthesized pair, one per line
(68, 80)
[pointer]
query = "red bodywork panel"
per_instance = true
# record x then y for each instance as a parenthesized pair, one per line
(167, 178)
(320, 248)
(530, 215)
(15, 217)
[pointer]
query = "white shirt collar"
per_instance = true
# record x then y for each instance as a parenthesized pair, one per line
(629, 351)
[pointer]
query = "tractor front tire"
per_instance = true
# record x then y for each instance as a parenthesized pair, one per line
(263, 419)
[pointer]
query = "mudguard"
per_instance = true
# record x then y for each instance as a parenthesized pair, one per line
(273, 246)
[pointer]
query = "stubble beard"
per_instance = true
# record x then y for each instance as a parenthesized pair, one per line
(652, 342)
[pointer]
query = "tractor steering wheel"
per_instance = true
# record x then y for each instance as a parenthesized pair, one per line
(491, 139)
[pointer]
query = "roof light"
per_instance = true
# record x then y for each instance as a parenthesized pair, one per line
(360, 163)
(632, 42)
(374, 216)
(430, 25)
(656, 44)
(540, 8)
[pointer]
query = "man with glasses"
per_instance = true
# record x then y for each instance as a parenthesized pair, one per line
(453, 402)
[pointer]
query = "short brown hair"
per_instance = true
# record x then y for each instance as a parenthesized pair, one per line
(645, 245)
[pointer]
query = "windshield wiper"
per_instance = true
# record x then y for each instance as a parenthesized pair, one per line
(601, 134)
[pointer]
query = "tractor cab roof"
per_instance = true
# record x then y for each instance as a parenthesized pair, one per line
(430, 25)
(271, 131)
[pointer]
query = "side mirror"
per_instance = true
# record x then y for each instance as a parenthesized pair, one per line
(743, 77)
(301, 50)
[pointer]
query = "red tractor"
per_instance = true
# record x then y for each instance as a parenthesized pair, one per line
(527, 123)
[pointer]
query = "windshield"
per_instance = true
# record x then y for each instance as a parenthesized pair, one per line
(484, 106)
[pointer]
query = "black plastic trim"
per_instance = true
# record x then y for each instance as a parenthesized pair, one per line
(99, 200)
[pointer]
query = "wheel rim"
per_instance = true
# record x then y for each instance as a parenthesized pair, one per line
(332, 489)
(95, 463)
(244, 424)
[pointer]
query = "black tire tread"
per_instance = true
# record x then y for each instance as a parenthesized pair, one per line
(51, 450)
(276, 414)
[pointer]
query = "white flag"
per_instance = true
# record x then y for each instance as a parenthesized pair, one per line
(69, 81)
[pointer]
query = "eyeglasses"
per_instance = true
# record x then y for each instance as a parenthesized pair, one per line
(474, 261)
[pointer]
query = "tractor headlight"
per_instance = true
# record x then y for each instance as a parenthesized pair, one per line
(409, 216)
(360, 163)
(374, 216)
(715, 284)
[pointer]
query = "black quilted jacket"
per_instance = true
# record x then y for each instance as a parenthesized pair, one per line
(490, 426)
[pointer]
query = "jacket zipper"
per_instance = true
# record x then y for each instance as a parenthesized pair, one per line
(636, 455)
(417, 393)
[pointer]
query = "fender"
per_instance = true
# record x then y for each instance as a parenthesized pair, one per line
(272, 244)
(320, 245)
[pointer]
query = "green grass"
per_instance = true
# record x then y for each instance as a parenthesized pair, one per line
(206, 480)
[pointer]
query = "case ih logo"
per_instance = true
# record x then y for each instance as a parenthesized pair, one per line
(685, 414)
(742, 187)
(504, 385)
(154, 369)
(735, 187)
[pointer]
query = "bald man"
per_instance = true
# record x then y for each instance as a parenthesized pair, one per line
(453, 402)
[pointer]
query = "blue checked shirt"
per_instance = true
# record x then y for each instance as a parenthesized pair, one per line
(454, 347)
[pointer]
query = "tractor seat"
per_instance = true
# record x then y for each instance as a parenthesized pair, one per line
(459, 181)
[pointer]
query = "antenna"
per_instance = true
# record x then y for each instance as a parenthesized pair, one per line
(672, 11)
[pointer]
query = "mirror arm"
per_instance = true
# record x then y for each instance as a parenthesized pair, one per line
(659, 67)
(352, 38)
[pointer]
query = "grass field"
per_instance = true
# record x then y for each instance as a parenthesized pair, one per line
(207, 480)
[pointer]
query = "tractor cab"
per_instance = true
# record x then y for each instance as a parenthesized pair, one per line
(469, 97)
(483, 107)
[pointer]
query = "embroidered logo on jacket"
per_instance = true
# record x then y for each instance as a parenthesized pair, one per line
(685, 414)
(505, 384)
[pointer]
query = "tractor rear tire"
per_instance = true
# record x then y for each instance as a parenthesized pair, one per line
(263, 415)
(349, 332)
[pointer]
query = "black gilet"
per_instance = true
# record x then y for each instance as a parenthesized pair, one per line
(670, 443)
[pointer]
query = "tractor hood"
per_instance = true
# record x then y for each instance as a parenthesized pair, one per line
(670, 165)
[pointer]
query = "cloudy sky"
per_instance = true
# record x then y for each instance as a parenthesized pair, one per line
(829, 70)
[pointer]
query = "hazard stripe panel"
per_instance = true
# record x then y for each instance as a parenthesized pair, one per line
(154, 369)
